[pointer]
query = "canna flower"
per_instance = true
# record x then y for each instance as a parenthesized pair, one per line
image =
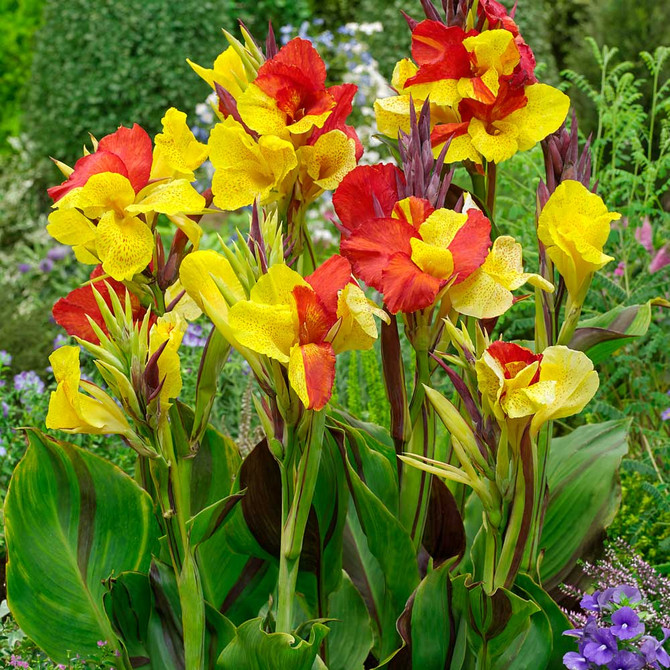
(104, 207)
(75, 312)
(246, 168)
(166, 336)
(75, 412)
(519, 385)
(283, 133)
(574, 226)
(483, 93)
(289, 94)
(487, 292)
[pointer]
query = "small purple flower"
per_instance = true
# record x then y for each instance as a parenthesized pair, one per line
(620, 270)
(5, 358)
(660, 260)
(28, 381)
(605, 598)
(601, 647)
(5, 409)
(58, 253)
(626, 660)
(46, 265)
(24, 267)
(645, 235)
(590, 602)
(654, 652)
(16, 662)
(626, 624)
(665, 414)
(60, 340)
(102, 643)
(194, 336)
(574, 661)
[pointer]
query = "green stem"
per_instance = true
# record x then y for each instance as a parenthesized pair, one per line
(573, 310)
(415, 483)
(298, 487)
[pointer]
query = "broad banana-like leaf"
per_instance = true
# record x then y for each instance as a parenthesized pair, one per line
(71, 520)
(145, 613)
(584, 495)
(350, 639)
(600, 336)
(254, 649)
(380, 558)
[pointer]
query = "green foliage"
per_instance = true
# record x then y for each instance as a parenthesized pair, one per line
(104, 64)
(19, 20)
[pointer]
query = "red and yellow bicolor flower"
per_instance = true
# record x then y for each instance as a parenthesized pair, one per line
(72, 411)
(483, 93)
(106, 207)
(288, 135)
(412, 253)
(574, 226)
(522, 388)
(304, 322)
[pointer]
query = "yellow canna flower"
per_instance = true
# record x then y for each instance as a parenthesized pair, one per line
(177, 153)
(169, 328)
(245, 168)
(75, 412)
(521, 386)
(574, 226)
(487, 292)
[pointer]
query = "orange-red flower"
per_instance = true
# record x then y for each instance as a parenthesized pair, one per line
(74, 310)
(407, 250)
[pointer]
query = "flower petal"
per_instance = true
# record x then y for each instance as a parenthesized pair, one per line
(133, 147)
(406, 288)
(311, 372)
(125, 245)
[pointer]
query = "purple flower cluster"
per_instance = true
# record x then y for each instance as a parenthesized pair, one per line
(28, 381)
(614, 634)
(195, 336)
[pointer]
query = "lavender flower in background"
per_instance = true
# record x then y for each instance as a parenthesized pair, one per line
(24, 267)
(665, 414)
(3, 449)
(195, 336)
(60, 340)
(27, 382)
(46, 265)
(620, 270)
(58, 253)
(5, 358)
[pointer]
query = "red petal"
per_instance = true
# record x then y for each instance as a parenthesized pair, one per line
(441, 133)
(471, 245)
(507, 353)
(313, 319)
(133, 147)
(354, 198)
(406, 287)
(433, 42)
(85, 167)
(319, 362)
(71, 312)
(301, 54)
(371, 247)
(329, 279)
(509, 100)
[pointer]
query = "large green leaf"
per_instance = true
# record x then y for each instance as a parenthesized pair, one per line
(72, 519)
(602, 335)
(380, 557)
(350, 638)
(254, 649)
(584, 494)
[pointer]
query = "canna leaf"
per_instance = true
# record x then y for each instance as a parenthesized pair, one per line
(65, 512)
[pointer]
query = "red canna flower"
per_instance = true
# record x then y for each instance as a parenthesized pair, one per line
(73, 311)
(126, 152)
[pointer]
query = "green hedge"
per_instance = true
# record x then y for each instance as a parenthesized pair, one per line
(109, 62)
